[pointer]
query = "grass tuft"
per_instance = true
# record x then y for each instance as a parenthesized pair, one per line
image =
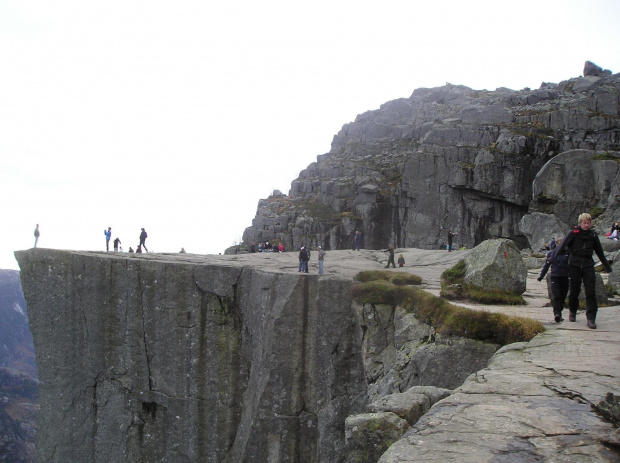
(445, 317)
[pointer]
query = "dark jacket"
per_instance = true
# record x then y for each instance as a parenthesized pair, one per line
(581, 244)
(560, 267)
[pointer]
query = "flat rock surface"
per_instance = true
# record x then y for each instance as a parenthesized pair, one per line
(534, 401)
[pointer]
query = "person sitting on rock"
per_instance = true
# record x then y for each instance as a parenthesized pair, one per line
(582, 242)
(558, 281)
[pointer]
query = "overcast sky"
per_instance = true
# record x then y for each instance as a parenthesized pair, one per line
(179, 116)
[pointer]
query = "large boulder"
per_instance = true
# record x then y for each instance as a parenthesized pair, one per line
(411, 404)
(539, 228)
(574, 182)
(368, 435)
(496, 264)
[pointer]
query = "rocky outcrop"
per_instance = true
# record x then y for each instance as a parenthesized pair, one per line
(451, 158)
(172, 359)
(178, 358)
(400, 352)
(532, 403)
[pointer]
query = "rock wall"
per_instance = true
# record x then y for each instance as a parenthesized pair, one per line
(180, 358)
(144, 360)
(447, 158)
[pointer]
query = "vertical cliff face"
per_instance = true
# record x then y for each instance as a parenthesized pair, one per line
(171, 359)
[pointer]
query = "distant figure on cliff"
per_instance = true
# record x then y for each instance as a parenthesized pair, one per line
(143, 236)
(401, 260)
(117, 241)
(130, 250)
(108, 235)
(321, 259)
(582, 242)
(182, 251)
(358, 240)
(253, 248)
(451, 235)
(36, 236)
(390, 250)
(139, 250)
(559, 282)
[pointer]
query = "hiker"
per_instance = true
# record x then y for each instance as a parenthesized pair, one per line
(108, 235)
(302, 256)
(358, 240)
(558, 281)
(143, 236)
(130, 250)
(36, 236)
(390, 249)
(401, 260)
(581, 242)
(117, 241)
(321, 258)
(451, 235)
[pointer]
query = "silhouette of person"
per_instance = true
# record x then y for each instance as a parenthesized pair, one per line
(143, 236)
(36, 236)
(117, 241)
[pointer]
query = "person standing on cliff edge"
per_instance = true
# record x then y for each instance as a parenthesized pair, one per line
(582, 242)
(143, 236)
(36, 236)
(108, 235)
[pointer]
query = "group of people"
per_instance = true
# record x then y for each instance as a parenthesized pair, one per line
(304, 258)
(571, 263)
(117, 241)
(267, 247)
(390, 251)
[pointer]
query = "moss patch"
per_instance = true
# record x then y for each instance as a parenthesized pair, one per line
(445, 317)
(398, 278)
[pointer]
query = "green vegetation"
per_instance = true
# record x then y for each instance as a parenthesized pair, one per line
(606, 156)
(596, 211)
(397, 278)
(453, 287)
(445, 317)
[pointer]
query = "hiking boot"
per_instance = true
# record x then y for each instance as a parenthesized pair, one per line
(572, 317)
(591, 324)
(558, 318)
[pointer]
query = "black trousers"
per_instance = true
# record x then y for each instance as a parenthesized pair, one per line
(588, 277)
(559, 290)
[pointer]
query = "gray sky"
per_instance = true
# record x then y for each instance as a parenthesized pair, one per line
(179, 116)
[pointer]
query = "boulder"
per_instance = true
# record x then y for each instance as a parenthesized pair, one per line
(539, 228)
(496, 264)
(411, 404)
(368, 435)
(574, 182)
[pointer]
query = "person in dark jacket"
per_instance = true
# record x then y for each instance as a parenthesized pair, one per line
(143, 236)
(582, 242)
(558, 281)
(390, 251)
